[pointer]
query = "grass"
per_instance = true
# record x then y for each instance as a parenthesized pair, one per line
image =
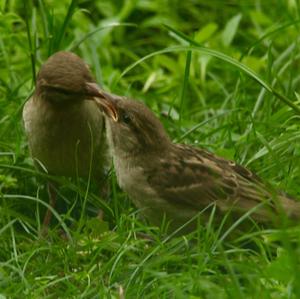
(222, 75)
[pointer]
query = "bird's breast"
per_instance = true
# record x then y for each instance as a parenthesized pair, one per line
(67, 141)
(133, 181)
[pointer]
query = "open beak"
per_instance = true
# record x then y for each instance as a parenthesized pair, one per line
(106, 101)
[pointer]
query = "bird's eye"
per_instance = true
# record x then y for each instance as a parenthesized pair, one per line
(126, 118)
(60, 90)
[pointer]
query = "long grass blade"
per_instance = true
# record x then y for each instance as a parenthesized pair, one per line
(217, 54)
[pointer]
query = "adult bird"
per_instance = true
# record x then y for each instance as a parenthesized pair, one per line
(175, 182)
(65, 129)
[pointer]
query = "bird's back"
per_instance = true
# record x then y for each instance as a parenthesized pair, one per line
(192, 179)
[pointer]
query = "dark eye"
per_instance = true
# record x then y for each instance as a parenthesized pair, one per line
(126, 118)
(60, 90)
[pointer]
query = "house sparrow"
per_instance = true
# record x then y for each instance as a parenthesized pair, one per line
(64, 126)
(176, 181)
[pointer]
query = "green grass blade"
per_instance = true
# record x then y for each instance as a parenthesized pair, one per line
(65, 24)
(88, 35)
(214, 53)
(185, 81)
(30, 43)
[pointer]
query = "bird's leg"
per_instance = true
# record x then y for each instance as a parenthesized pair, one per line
(52, 201)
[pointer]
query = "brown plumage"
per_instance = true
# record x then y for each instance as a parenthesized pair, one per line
(178, 181)
(64, 126)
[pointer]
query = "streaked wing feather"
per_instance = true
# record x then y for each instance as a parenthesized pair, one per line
(198, 178)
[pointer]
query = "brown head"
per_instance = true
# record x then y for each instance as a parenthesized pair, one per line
(65, 78)
(132, 127)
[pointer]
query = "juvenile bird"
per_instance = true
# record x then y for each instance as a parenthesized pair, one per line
(64, 126)
(177, 181)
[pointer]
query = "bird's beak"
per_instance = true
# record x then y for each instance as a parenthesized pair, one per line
(107, 102)
(92, 90)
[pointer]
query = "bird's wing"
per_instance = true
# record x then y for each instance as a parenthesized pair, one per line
(196, 178)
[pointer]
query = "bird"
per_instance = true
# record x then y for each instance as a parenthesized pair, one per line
(64, 127)
(174, 183)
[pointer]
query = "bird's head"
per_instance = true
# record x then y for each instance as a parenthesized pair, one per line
(65, 78)
(132, 127)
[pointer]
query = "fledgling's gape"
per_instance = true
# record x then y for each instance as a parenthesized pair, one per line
(64, 126)
(178, 181)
